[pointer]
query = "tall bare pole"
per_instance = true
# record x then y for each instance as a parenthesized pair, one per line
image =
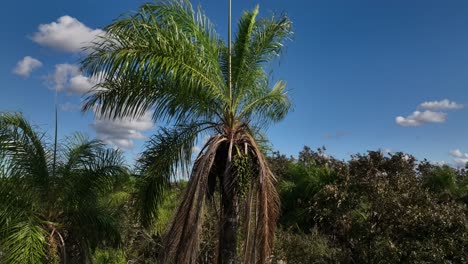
(229, 56)
(55, 134)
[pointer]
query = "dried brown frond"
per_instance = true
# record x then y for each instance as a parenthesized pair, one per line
(261, 210)
(249, 225)
(182, 240)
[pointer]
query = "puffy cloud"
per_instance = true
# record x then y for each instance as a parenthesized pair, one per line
(121, 132)
(25, 66)
(459, 157)
(81, 84)
(68, 77)
(62, 75)
(428, 114)
(67, 34)
(440, 105)
(456, 153)
(421, 117)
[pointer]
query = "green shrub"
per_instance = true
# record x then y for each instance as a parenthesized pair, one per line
(298, 248)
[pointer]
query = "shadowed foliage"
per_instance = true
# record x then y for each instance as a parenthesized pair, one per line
(375, 208)
(167, 58)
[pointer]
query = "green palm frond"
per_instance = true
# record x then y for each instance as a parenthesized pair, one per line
(241, 50)
(269, 37)
(17, 200)
(90, 170)
(133, 97)
(22, 151)
(187, 20)
(167, 155)
(270, 107)
(23, 242)
(163, 45)
(257, 42)
(78, 151)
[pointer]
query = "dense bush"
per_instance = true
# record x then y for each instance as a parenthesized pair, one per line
(377, 208)
(300, 247)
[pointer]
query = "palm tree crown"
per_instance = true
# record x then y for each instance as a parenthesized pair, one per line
(167, 58)
(46, 217)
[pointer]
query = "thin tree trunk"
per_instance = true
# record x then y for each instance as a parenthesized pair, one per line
(228, 238)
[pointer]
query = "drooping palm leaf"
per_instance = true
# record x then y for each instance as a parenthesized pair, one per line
(24, 242)
(162, 46)
(23, 153)
(168, 155)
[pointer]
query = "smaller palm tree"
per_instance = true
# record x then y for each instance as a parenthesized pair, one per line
(54, 212)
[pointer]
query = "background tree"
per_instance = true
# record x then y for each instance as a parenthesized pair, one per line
(61, 217)
(168, 59)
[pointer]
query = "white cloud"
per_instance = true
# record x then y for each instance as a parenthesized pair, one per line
(439, 162)
(459, 157)
(68, 77)
(429, 113)
(421, 117)
(387, 151)
(440, 105)
(81, 84)
(456, 153)
(121, 132)
(67, 34)
(69, 107)
(25, 66)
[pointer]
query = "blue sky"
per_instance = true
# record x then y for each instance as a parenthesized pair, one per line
(352, 68)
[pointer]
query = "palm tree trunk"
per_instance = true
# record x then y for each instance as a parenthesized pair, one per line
(229, 223)
(228, 237)
(229, 55)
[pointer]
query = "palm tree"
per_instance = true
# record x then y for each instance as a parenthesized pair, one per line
(48, 216)
(168, 59)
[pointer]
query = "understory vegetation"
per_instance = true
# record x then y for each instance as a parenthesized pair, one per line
(375, 208)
